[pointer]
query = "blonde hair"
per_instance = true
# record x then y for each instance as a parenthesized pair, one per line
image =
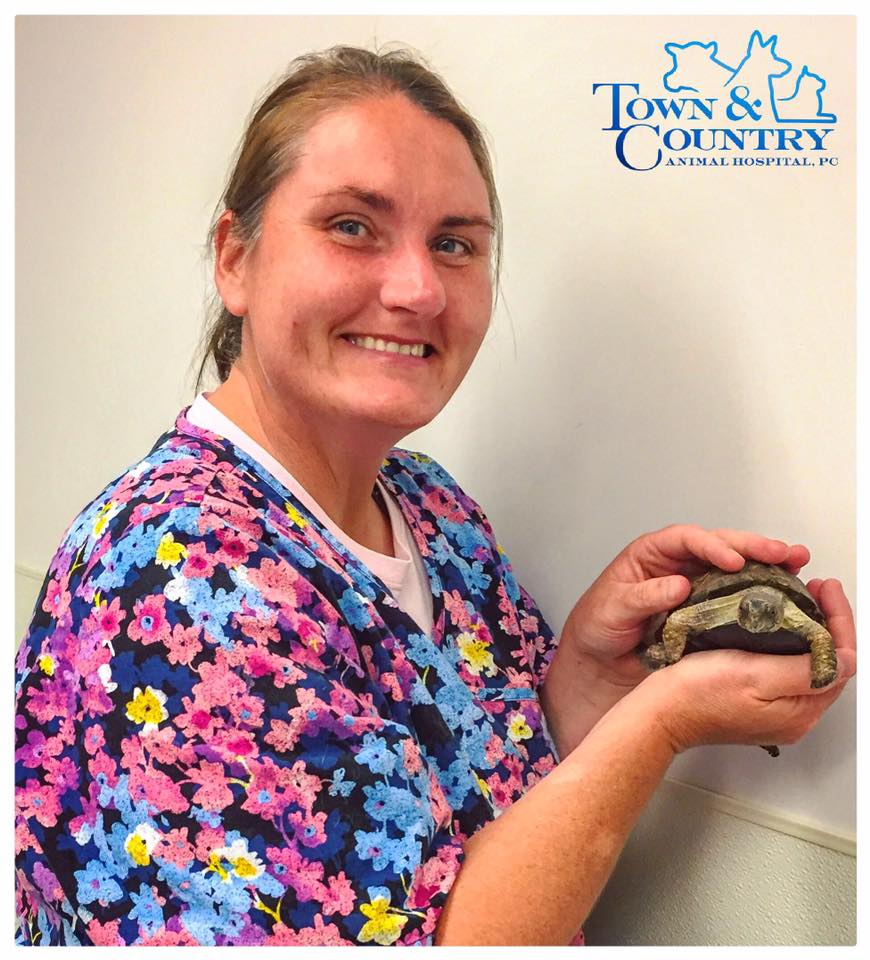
(272, 142)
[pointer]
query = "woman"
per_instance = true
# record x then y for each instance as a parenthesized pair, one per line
(281, 685)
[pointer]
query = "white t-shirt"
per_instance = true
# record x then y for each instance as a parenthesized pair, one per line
(404, 574)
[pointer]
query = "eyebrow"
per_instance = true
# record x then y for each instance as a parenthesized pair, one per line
(378, 201)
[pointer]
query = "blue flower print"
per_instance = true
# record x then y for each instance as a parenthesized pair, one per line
(340, 786)
(96, 883)
(355, 608)
(376, 755)
(146, 909)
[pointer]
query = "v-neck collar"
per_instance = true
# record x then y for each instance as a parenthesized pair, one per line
(391, 465)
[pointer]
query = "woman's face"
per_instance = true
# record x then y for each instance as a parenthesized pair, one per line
(367, 238)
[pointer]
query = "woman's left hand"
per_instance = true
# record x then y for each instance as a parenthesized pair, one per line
(650, 576)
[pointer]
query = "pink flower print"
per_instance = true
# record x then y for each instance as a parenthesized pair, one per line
(104, 771)
(149, 624)
(494, 750)
(233, 744)
(457, 609)
(63, 773)
(234, 547)
(339, 896)
(283, 736)
(199, 719)
(105, 934)
(209, 839)
(435, 875)
(213, 793)
(37, 800)
(498, 791)
(57, 598)
(258, 627)
(441, 810)
(158, 789)
(247, 710)
(200, 563)
(108, 617)
(52, 700)
(175, 848)
(160, 745)
(132, 754)
(289, 867)
(320, 935)
(308, 830)
(38, 749)
(24, 839)
(266, 796)
(167, 938)
(443, 504)
(411, 754)
(183, 644)
(278, 582)
(218, 683)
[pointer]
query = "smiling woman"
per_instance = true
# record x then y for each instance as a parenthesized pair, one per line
(281, 685)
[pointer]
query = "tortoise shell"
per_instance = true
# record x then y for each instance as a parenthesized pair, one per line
(720, 583)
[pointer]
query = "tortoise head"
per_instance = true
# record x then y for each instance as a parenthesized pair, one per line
(761, 610)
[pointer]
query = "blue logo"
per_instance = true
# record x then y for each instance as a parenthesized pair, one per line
(716, 114)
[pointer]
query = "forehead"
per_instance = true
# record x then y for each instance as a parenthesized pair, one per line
(393, 145)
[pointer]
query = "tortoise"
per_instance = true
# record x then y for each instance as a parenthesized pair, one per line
(761, 608)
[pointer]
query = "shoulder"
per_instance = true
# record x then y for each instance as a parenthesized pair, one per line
(141, 518)
(419, 474)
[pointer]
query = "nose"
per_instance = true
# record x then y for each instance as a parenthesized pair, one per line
(412, 282)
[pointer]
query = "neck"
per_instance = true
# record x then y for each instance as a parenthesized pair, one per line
(336, 463)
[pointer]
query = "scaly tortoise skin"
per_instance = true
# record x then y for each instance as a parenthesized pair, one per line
(761, 608)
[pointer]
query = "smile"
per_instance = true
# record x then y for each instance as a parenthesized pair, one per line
(419, 350)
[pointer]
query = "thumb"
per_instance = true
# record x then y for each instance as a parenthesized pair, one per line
(656, 595)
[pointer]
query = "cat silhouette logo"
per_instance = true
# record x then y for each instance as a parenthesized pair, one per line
(767, 83)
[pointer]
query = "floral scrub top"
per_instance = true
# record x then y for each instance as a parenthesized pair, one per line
(227, 732)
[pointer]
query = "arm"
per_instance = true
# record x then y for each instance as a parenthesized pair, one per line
(575, 696)
(533, 875)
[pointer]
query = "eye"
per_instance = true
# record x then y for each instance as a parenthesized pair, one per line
(353, 223)
(466, 248)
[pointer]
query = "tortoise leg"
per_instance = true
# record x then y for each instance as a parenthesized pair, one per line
(823, 657)
(688, 622)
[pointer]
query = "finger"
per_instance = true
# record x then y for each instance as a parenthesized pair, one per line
(784, 675)
(838, 614)
(754, 546)
(685, 544)
(642, 600)
(813, 587)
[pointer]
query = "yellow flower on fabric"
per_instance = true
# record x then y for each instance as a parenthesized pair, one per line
(295, 516)
(483, 785)
(384, 925)
(245, 862)
(147, 707)
(214, 863)
(46, 664)
(476, 654)
(518, 729)
(141, 842)
(169, 552)
(246, 867)
(104, 514)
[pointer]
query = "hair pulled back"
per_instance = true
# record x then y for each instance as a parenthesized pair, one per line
(273, 140)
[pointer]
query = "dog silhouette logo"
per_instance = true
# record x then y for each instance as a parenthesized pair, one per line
(764, 83)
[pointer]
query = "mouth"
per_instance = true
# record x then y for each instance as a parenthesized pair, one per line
(391, 348)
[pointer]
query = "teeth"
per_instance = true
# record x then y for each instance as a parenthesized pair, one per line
(390, 346)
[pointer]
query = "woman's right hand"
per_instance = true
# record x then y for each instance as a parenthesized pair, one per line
(733, 696)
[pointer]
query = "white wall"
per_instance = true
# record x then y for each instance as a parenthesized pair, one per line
(676, 345)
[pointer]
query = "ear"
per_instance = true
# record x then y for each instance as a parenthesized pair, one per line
(229, 266)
